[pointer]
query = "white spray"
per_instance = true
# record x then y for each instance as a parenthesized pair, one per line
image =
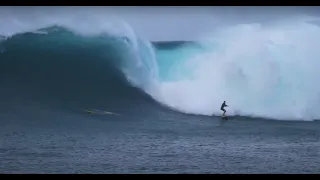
(260, 71)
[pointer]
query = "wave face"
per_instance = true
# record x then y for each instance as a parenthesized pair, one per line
(260, 71)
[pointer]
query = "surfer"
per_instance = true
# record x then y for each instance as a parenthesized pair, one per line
(222, 107)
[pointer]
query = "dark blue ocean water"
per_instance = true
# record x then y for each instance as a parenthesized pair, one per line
(42, 140)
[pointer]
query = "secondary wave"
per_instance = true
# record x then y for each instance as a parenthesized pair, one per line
(259, 71)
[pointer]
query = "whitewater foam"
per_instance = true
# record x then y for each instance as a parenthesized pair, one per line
(260, 71)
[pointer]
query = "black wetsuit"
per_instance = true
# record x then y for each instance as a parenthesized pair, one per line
(222, 107)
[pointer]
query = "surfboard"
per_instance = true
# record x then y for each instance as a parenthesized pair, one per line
(95, 111)
(224, 117)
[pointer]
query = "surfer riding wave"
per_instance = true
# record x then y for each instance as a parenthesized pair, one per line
(222, 108)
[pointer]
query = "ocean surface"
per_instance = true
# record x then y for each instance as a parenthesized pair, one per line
(166, 96)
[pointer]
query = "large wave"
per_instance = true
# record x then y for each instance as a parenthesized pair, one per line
(58, 64)
(260, 71)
